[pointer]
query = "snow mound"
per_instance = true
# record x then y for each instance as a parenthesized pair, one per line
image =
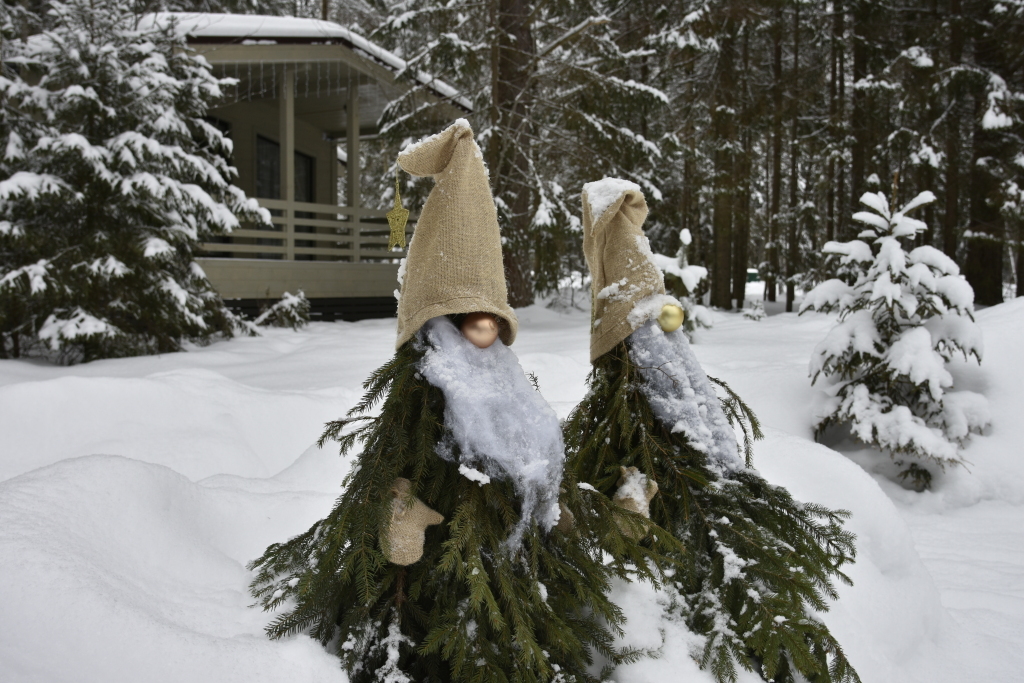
(197, 421)
(502, 426)
(891, 622)
(119, 570)
(680, 394)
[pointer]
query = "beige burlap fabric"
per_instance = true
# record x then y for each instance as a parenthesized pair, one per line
(635, 494)
(454, 263)
(617, 253)
(410, 518)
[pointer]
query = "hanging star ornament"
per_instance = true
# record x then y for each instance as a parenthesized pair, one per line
(397, 218)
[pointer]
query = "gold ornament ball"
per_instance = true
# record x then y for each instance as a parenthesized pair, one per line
(480, 328)
(671, 317)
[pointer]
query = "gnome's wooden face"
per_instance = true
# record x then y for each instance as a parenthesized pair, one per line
(480, 328)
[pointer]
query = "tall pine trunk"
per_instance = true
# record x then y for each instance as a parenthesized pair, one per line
(951, 216)
(862, 16)
(724, 140)
(793, 239)
(775, 200)
(741, 224)
(1020, 259)
(511, 62)
(983, 266)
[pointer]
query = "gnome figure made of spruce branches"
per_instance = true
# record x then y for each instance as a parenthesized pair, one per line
(653, 422)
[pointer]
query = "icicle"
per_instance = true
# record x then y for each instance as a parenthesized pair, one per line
(306, 74)
(273, 79)
(318, 79)
(249, 84)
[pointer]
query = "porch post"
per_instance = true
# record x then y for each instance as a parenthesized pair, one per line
(286, 120)
(352, 170)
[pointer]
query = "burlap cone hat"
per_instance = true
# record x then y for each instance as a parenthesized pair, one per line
(454, 263)
(622, 271)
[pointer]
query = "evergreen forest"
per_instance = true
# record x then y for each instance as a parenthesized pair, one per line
(755, 124)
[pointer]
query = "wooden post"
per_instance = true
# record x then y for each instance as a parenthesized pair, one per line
(352, 171)
(286, 120)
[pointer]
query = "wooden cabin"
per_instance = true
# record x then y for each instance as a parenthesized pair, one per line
(306, 93)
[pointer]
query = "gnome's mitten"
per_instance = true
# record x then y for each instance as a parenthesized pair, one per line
(410, 518)
(566, 520)
(635, 493)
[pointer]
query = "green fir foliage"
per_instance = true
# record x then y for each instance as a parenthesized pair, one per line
(756, 564)
(470, 609)
(110, 181)
(291, 310)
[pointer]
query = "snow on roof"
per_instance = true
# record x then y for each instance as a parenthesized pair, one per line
(241, 27)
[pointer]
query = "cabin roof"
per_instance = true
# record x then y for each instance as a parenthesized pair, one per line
(251, 29)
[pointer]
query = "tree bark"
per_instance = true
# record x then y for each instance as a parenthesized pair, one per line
(951, 215)
(511, 57)
(983, 266)
(1020, 259)
(741, 223)
(724, 135)
(775, 200)
(793, 238)
(862, 17)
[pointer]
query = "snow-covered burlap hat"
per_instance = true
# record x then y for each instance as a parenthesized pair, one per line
(622, 270)
(454, 263)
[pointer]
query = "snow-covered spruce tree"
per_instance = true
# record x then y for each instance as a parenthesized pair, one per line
(110, 179)
(292, 310)
(903, 318)
(757, 566)
(441, 560)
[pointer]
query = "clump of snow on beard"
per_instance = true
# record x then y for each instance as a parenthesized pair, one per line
(680, 394)
(499, 423)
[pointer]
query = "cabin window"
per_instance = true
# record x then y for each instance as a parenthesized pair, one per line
(268, 168)
(268, 172)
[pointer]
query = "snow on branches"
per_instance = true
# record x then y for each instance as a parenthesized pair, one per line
(901, 321)
(110, 180)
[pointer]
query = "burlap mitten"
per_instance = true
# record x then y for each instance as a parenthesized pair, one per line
(410, 517)
(635, 493)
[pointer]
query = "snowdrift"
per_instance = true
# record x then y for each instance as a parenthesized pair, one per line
(133, 493)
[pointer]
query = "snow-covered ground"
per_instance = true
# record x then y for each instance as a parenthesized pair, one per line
(133, 492)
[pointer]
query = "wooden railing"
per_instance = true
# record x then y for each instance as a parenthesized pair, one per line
(303, 231)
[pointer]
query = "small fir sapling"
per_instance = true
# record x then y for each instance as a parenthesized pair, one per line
(291, 310)
(755, 312)
(903, 316)
(110, 180)
(756, 565)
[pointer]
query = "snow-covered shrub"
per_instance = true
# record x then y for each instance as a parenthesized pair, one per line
(685, 282)
(110, 179)
(906, 315)
(755, 312)
(292, 310)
